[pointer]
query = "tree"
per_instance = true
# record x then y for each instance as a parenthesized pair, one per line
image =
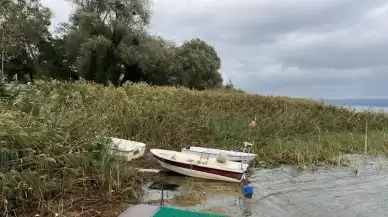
(24, 26)
(230, 87)
(196, 65)
(156, 54)
(105, 41)
(103, 36)
(54, 61)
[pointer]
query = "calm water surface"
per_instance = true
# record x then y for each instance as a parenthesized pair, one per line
(360, 189)
(362, 108)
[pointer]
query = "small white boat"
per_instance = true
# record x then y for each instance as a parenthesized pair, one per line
(219, 168)
(127, 148)
(236, 156)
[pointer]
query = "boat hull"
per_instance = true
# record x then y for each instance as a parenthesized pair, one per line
(199, 171)
(126, 148)
(130, 155)
(235, 158)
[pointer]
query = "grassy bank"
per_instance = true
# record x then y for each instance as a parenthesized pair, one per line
(48, 134)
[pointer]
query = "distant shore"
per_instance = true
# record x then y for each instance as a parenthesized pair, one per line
(368, 108)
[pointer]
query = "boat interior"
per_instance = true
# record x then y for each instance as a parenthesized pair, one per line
(221, 161)
(215, 151)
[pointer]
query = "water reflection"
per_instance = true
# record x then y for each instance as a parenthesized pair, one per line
(246, 206)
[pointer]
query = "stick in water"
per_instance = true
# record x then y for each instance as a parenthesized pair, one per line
(366, 139)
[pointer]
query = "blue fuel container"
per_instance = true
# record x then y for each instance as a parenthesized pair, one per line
(248, 191)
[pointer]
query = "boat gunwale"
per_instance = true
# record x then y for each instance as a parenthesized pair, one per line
(231, 155)
(242, 171)
(115, 146)
(126, 151)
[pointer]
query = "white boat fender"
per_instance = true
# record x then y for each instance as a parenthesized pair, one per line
(222, 157)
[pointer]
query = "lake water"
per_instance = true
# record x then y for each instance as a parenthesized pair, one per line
(361, 108)
(370, 108)
(359, 189)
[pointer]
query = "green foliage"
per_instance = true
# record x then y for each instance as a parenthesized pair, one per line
(102, 37)
(197, 64)
(3, 91)
(24, 25)
(230, 87)
(105, 42)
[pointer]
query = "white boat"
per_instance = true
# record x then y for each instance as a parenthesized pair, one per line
(127, 148)
(219, 168)
(236, 156)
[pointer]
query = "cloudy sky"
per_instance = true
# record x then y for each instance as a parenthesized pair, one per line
(303, 48)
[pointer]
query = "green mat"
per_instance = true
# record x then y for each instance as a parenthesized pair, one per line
(174, 212)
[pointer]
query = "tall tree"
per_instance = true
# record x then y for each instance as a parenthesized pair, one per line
(104, 41)
(54, 60)
(197, 65)
(156, 56)
(24, 25)
(103, 35)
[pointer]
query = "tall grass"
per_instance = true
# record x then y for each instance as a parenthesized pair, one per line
(51, 147)
(48, 133)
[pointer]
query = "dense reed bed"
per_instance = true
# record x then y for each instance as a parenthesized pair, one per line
(51, 149)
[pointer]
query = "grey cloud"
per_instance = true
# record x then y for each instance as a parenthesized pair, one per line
(339, 58)
(369, 82)
(61, 10)
(328, 48)
(252, 21)
(315, 48)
